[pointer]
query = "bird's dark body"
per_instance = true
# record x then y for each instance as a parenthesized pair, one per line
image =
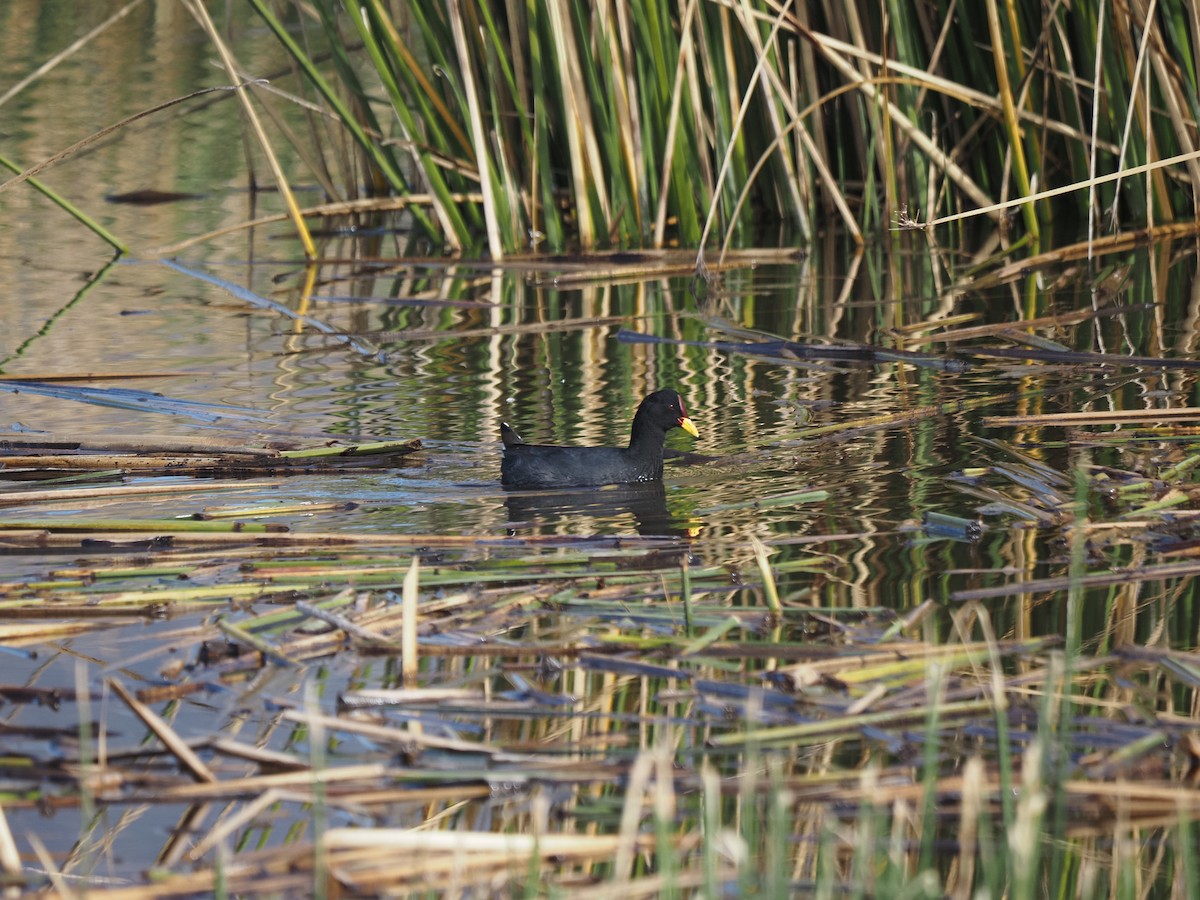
(535, 465)
(543, 466)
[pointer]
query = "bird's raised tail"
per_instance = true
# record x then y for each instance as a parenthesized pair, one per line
(509, 437)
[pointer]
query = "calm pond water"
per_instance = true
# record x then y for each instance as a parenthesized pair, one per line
(444, 351)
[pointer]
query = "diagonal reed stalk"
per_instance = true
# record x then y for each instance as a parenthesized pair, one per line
(310, 250)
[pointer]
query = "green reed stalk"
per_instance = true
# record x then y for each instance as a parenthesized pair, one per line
(70, 208)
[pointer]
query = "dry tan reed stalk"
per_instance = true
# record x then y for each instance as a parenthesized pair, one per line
(796, 119)
(50, 867)
(384, 615)
(902, 788)
(100, 461)
(479, 134)
(10, 857)
(935, 154)
(385, 796)
(302, 507)
(578, 119)
(637, 783)
(105, 132)
(113, 613)
(777, 147)
(234, 877)
(915, 330)
(230, 788)
(270, 759)
(610, 276)
(656, 886)
(588, 852)
(671, 139)
(978, 331)
(31, 635)
(408, 624)
(180, 839)
(243, 817)
(378, 871)
(638, 261)
(955, 90)
(902, 658)
(888, 420)
(165, 733)
(1110, 246)
(1174, 796)
(1116, 417)
(341, 622)
(399, 839)
(554, 649)
(200, 13)
(529, 328)
(120, 492)
(386, 733)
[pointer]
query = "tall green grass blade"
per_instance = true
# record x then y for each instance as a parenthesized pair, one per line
(377, 40)
(62, 202)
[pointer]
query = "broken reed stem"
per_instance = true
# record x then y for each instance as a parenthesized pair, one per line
(10, 858)
(408, 623)
(186, 756)
(402, 839)
(242, 636)
(342, 622)
(231, 825)
(764, 566)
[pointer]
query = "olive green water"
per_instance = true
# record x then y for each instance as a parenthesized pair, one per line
(445, 351)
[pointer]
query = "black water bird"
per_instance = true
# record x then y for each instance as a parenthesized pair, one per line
(541, 466)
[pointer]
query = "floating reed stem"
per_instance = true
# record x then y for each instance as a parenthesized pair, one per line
(165, 733)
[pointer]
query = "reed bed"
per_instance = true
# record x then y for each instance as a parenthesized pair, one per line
(546, 713)
(532, 697)
(641, 124)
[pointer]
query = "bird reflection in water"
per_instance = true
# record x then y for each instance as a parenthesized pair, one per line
(646, 503)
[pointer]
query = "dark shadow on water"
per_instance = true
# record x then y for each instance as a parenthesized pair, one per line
(646, 503)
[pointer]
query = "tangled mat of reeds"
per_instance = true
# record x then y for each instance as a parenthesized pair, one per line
(374, 714)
